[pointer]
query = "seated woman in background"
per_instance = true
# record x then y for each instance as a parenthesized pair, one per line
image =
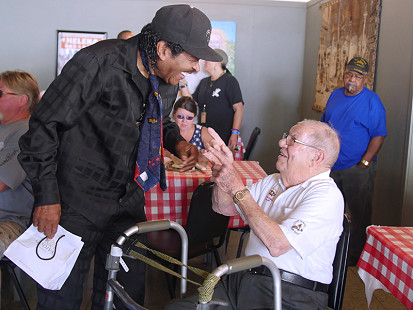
(184, 112)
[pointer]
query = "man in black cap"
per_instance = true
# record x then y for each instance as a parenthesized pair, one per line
(360, 118)
(84, 148)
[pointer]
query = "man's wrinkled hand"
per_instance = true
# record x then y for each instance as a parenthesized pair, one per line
(46, 219)
(188, 153)
(217, 146)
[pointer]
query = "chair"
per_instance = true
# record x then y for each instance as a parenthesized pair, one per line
(203, 227)
(337, 285)
(245, 230)
(251, 143)
(9, 266)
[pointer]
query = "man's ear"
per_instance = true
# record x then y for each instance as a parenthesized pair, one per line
(23, 100)
(318, 157)
(162, 50)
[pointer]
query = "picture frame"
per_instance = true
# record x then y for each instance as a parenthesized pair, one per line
(69, 42)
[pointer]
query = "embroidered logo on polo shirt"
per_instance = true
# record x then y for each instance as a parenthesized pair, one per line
(298, 227)
(271, 195)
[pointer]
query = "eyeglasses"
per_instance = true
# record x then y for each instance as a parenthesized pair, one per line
(189, 118)
(290, 140)
(350, 75)
(6, 93)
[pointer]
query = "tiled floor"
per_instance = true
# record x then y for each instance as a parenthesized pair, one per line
(157, 295)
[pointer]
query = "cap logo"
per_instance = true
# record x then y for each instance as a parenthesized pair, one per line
(208, 35)
(360, 63)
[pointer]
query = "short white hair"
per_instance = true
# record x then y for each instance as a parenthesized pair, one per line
(323, 137)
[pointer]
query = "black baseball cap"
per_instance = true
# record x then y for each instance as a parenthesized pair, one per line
(187, 26)
(359, 65)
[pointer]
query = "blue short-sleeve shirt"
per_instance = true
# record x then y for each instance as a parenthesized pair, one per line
(357, 119)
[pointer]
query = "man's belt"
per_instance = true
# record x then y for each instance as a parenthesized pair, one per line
(293, 279)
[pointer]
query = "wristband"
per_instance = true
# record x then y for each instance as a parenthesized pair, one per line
(183, 85)
(235, 131)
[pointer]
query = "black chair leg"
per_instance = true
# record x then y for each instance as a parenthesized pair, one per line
(227, 239)
(171, 282)
(17, 285)
(241, 242)
(217, 258)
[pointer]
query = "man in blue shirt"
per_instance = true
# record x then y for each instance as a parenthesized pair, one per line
(357, 113)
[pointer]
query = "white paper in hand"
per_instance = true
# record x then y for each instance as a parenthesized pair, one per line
(48, 262)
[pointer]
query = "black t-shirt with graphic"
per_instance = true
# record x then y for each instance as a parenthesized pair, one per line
(216, 98)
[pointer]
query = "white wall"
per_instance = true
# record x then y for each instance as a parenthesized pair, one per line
(393, 81)
(269, 50)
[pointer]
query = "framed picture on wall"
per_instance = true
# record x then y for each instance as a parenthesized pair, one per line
(223, 36)
(69, 42)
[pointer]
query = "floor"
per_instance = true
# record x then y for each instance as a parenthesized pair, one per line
(157, 294)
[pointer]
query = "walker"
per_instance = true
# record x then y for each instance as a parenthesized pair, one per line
(114, 259)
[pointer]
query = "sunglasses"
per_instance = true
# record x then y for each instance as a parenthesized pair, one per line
(189, 118)
(6, 93)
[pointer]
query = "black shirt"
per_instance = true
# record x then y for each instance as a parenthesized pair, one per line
(80, 150)
(218, 98)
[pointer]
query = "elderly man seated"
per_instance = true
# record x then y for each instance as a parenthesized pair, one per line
(295, 218)
(19, 93)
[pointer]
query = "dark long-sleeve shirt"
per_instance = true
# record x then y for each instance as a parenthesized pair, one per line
(80, 150)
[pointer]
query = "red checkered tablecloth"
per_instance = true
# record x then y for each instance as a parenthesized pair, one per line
(239, 154)
(173, 204)
(387, 257)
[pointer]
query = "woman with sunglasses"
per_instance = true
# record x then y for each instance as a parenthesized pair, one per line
(184, 112)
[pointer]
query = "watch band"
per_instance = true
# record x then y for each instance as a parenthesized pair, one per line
(240, 195)
(365, 162)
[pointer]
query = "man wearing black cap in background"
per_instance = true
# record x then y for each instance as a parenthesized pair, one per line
(82, 145)
(360, 118)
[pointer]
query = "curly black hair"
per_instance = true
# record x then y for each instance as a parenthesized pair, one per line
(148, 40)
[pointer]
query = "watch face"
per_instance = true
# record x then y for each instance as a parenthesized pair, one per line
(239, 195)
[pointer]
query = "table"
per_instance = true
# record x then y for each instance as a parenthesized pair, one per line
(387, 262)
(173, 204)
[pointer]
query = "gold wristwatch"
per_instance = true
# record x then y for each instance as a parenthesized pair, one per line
(365, 162)
(240, 195)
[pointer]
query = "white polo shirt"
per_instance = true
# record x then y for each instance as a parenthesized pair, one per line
(310, 215)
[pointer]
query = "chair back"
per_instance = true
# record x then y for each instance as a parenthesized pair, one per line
(203, 227)
(337, 285)
(203, 223)
(251, 143)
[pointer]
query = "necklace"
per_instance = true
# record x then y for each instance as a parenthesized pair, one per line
(213, 81)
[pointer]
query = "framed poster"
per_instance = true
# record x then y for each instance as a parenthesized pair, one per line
(223, 36)
(69, 42)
